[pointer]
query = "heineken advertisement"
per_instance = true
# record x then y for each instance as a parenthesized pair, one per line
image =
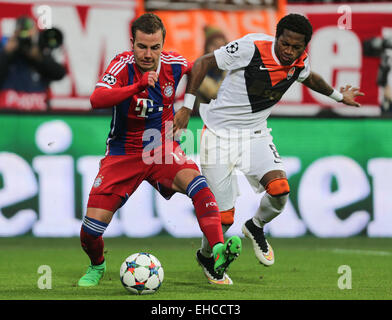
(340, 173)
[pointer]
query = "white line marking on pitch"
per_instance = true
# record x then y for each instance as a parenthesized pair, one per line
(365, 252)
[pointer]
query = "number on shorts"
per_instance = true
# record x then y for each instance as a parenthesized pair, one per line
(274, 151)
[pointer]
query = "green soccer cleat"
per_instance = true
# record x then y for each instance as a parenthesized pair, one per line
(224, 254)
(93, 275)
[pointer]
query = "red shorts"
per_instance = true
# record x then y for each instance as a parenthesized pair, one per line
(120, 175)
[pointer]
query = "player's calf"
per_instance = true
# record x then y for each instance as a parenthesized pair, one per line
(227, 219)
(209, 218)
(273, 201)
(271, 205)
(206, 208)
(93, 244)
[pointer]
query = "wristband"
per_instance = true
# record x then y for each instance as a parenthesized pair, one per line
(336, 95)
(189, 100)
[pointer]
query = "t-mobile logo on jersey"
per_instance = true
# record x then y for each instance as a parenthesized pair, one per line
(146, 106)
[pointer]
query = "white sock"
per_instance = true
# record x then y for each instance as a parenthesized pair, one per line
(270, 207)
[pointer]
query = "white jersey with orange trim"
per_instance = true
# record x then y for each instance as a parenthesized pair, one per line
(254, 83)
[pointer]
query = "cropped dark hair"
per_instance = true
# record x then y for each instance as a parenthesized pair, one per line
(296, 23)
(148, 23)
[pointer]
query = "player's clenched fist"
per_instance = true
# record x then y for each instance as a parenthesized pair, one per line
(148, 80)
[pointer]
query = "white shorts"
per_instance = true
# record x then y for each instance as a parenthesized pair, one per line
(251, 152)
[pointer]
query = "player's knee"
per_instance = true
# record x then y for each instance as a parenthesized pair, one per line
(106, 202)
(278, 187)
(227, 217)
(184, 178)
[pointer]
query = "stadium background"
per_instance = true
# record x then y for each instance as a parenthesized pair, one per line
(339, 159)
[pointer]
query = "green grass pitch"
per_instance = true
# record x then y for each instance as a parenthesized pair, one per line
(305, 268)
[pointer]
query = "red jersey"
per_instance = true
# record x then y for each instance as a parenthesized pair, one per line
(138, 123)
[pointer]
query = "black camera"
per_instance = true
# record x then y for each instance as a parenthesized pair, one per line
(50, 38)
(47, 39)
(375, 46)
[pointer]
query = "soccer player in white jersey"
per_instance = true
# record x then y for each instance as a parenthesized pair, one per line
(260, 68)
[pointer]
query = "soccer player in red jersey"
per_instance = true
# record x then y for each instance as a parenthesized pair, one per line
(140, 86)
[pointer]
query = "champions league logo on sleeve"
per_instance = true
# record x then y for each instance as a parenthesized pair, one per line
(109, 79)
(232, 47)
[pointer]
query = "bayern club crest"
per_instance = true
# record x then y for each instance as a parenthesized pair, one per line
(168, 90)
(98, 181)
(290, 73)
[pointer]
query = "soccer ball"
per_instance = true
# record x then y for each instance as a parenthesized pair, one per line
(141, 273)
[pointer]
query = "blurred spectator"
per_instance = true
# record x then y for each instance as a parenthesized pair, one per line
(382, 47)
(214, 39)
(27, 66)
(332, 1)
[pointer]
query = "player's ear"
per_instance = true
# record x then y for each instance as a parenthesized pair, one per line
(132, 41)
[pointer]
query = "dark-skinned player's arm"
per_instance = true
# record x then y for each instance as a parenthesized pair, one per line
(103, 97)
(195, 78)
(346, 95)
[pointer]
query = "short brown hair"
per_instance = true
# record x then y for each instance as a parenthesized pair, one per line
(296, 23)
(148, 23)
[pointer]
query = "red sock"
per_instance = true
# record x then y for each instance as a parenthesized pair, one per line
(93, 246)
(207, 213)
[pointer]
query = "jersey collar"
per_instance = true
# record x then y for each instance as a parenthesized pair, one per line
(159, 64)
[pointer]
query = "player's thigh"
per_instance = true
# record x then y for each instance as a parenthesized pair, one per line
(262, 163)
(218, 150)
(218, 159)
(222, 181)
(175, 172)
(117, 179)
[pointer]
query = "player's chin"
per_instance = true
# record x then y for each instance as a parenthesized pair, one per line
(286, 62)
(147, 67)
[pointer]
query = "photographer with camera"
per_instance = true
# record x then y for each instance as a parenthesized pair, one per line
(27, 67)
(382, 47)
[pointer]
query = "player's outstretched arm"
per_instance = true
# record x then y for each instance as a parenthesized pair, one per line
(347, 94)
(195, 78)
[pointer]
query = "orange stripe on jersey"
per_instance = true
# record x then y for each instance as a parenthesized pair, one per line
(276, 71)
(202, 131)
